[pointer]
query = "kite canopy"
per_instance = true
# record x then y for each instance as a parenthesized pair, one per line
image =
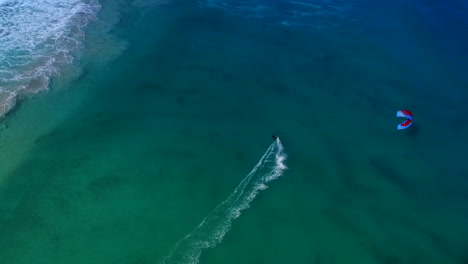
(409, 119)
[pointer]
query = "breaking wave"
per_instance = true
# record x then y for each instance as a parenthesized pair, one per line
(38, 38)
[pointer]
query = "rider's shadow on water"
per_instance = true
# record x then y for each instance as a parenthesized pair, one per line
(412, 131)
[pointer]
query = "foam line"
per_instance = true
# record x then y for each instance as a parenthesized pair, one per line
(39, 38)
(212, 229)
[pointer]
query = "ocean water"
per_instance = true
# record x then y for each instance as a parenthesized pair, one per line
(140, 131)
(38, 40)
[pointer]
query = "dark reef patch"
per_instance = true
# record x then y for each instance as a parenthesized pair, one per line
(384, 169)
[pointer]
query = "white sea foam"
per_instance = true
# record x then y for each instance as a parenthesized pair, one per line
(38, 38)
(212, 229)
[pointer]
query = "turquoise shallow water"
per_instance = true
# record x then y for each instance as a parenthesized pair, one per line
(175, 104)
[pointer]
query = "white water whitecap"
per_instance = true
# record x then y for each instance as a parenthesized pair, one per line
(38, 38)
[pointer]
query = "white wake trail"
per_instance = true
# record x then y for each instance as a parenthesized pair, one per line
(212, 229)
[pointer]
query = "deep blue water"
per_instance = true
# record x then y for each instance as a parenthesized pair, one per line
(142, 150)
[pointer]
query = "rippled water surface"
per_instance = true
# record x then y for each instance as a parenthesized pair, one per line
(159, 149)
